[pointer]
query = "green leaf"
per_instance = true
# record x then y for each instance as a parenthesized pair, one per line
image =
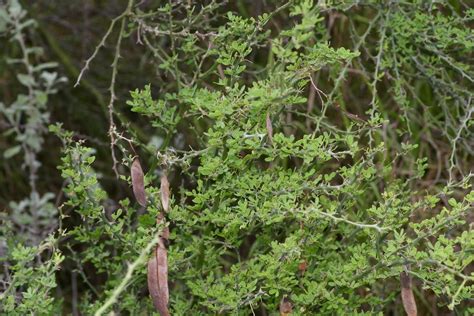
(10, 152)
(26, 80)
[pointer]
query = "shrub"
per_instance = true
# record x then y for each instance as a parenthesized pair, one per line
(318, 159)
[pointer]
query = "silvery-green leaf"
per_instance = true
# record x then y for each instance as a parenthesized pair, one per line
(12, 151)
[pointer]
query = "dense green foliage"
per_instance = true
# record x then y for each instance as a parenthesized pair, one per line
(316, 151)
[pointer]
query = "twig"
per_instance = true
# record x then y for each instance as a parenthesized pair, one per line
(464, 124)
(378, 61)
(310, 103)
(319, 91)
(453, 299)
(360, 225)
(102, 42)
(345, 69)
(75, 311)
(110, 107)
(128, 276)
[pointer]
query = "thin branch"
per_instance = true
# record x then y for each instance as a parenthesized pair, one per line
(102, 43)
(463, 125)
(360, 225)
(128, 276)
(345, 69)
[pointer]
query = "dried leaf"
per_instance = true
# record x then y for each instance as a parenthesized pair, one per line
(138, 182)
(286, 307)
(158, 279)
(165, 192)
(269, 128)
(302, 266)
(408, 298)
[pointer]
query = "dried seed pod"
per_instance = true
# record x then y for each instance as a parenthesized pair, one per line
(158, 279)
(269, 128)
(165, 192)
(286, 307)
(138, 182)
(165, 233)
(408, 299)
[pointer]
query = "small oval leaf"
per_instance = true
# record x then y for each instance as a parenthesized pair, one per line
(138, 182)
(10, 152)
(408, 299)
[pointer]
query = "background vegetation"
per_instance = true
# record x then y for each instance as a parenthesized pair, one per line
(319, 155)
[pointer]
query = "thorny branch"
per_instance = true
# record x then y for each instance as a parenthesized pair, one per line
(112, 127)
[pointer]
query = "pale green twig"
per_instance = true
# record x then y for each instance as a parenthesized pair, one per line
(361, 225)
(128, 276)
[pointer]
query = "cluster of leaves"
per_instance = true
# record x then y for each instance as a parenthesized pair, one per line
(265, 204)
(27, 117)
(28, 238)
(298, 175)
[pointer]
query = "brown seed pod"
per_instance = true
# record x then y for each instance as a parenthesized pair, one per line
(165, 192)
(158, 279)
(408, 299)
(165, 233)
(286, 307)
(138, 182)
(269, 128)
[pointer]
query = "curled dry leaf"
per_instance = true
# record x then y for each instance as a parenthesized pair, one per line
(302, 266)
(269, 128)
(286, 307)
(408, 298)
(138, 182)
(158, 279)
(165, 192)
